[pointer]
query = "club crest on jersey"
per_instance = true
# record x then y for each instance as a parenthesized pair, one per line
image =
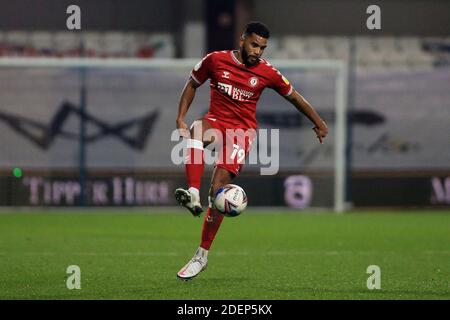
(253, 81)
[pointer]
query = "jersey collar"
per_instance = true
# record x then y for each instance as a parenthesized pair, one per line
(234, 57)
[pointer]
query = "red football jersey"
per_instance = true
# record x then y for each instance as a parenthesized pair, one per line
(236, 88)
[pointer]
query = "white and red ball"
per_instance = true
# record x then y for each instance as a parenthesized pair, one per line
(230, 200)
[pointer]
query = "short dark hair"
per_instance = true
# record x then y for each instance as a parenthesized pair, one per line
(258, 28)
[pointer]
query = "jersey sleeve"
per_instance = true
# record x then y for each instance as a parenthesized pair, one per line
(202, 70)
(280, 84)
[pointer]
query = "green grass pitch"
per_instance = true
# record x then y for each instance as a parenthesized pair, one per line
(130, 254)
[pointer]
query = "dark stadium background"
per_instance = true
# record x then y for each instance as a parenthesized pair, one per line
(398, 148)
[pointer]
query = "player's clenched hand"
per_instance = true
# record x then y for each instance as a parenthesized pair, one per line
(321, 130)
(183, 129)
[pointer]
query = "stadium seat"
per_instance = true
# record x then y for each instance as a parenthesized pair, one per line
(42, 42)
(367, 54)
(157, 46)
(272, 49)
(18, 43)
(67, 43)
(293, 47)
(281, 54)
(21, 38)
(131, 42)
(114, 44)
(315, 48)
(93, 43)
(338, 47)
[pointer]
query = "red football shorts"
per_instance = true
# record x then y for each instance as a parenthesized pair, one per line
(235, 145)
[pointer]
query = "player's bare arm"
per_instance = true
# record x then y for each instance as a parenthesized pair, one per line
(187, 96)
(305, 107)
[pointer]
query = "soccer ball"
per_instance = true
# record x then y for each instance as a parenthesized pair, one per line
(230, 200)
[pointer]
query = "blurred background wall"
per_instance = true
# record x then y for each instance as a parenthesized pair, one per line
(399, 102)
(227, 18)
(418, 17)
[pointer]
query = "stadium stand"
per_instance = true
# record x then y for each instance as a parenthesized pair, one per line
(111, 44)
(371, 52)
(406, 52)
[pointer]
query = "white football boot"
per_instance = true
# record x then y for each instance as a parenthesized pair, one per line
(189, 199)
(196, 265)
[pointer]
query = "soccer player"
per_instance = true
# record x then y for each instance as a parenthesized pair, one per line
(237, 79)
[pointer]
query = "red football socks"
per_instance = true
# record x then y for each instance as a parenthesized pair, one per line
(195, 163)
(194, 170)
(211, 225)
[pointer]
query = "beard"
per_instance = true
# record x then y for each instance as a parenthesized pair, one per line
(245, 58)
